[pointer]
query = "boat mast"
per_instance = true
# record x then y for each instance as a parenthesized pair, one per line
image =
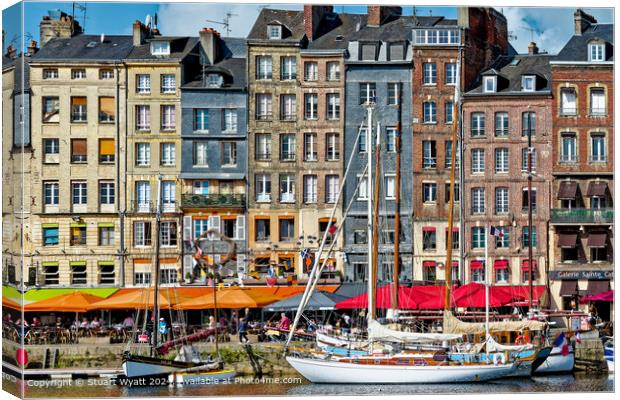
(375, 221)
(529, 208)
(396, 272)
(487, 282)
(156, 288)
(371, 295)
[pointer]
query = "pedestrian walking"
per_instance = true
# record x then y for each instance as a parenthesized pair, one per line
(243, 330)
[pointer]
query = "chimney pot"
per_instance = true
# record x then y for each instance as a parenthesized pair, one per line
(378, 15)
(313, 14)
(532, 48)
(582, 21)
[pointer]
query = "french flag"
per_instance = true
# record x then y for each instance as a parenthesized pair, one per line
(577, 337)
(496, 232)
(561, 341)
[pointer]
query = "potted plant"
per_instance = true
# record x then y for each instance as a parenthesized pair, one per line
(188, 278)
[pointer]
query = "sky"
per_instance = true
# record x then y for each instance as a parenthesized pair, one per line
(551, 27)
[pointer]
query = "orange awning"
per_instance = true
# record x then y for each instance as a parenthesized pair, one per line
(229, 298)
(10, 303)
(70, 302)
(126, 299)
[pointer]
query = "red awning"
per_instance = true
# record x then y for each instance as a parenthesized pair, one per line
(567, 240)
(472, 295)
(429, 264)
(383, 299)
(525, 265)
(605, 296)
(429, 229)
(428, 297)
(454, 229)
(476, 265)
(597, 239)
(500, 264)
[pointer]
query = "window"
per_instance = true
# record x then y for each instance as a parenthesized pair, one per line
(106, 273)
(598, 254)
(201, 120)
(501, 200)
(390, 142)
(501, 124)
(168, 233)
(362, 191)
(107, 112)
(229, 154)
(448, 108)
(367, 92)
(143, 154)
(262, 229)
(397, 51)
(311, 71)
(50, 151)
(596, 52)
(106, 73)
(569, 147)
(477, 161)
(141, 233)
(310, 147)
(143, 196)
(501, 160)
(79, 151)
(526, 237)
(106, 234)
(78, 74)
(429, 239)
(393, 93)
(274, 31)
(288, 68)
(390, 187)
(215, 80)
(457, 194)
(430, 73)
(77, 235)
(168, 196)
(597, 145)
(429, 154)
(143, 118)
(435, 36)
(168, 154)
(311, 106)
(477, 124)
(106, 151)
(528, 123)
(450, 77)
(333, 106)
(477, 201)
(568, 101)
(143, 84)
(201, 187)
(287, 188)
(78, 109)
(524, 159)
(287, 147)
(168, 117)
(368, 52)
(525, 271)
(288, 107)
(525, 200)
(263, 67)
(489, 84)
(429, 192)
(230, 120)
(501, 271)
(429, 271)
(332, 187)
(50, 235)
(448, 155)
(287, 229)
(263, 146)
(597, 102)
(168, 83)
(51, 110)
(263, 106)
(201, 226)
(50, 193)
(478, 237)
(50, 73)
(51, 273)
(160, 48)
(310, 189)
(106, 193)
(141, 278)
(430, 112)
(528, 83)
(503, 242)
(333, 71)
(360, 237)
(263, 187)
(363, 137)
(78, 272)
(333, 147)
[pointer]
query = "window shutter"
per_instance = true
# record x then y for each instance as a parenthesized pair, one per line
(106, 147)
(214, 224)
(106, 106)
(187, 228)
(188, 263)
(241, 264)
(78, 146)
(240, 234)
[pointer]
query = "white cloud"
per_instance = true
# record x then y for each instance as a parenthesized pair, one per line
(554, 26)
(188, 19)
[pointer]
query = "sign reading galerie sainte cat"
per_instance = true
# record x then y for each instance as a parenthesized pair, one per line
(593, 275)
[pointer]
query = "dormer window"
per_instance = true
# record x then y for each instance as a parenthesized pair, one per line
(214, 80)
(160, 48)
(528, 83)
(596, 52)
(368, 52)
(274, 32)
(490, 84)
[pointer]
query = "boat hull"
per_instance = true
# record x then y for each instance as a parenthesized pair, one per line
(557, 363)
(327, 371)
(202, 378)
(143, 366)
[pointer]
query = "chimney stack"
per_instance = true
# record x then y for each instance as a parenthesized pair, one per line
(582, 21)
(11, 52)
(378, 15)
(140, 32)
(532, 48)
(313, 14)
(32, 48)
(58, 25)
(209, 40)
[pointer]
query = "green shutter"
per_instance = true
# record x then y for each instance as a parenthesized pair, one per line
(77, 263)
(78, 225)
(106, 224)
(105, 263)
(49, 225)
(49, 264)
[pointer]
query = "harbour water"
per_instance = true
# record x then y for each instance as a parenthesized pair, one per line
(294, 386)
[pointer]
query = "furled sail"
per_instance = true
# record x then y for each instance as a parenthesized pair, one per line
(451, 324)
(492, 346)
(376, 331)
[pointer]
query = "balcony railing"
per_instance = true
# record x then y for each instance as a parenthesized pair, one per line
(582, 216)
(212, 200)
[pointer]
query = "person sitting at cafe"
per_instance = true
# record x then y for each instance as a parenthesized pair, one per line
(95, 323)
(7, 319)
(84, 324)
(128, 322)
(285, 323)
(35, 322)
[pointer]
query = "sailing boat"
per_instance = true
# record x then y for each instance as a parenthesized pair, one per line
(188, 366)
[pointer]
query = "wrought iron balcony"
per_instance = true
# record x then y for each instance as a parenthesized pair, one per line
(212, 200)
(582, 216)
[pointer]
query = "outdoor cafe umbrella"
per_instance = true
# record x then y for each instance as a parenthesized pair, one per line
(10, 303)
(233, 298)
(318, 301)
(71, 302)
(126, 299)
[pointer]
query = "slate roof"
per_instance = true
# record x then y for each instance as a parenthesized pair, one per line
(234, 68)
(76, 48)
(180, 46)
(509, 76)
(7, 62)
(576, 49)
(22, 68)
(293, 21)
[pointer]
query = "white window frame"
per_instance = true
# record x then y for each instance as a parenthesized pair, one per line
(333, 71)
(229, 154)
(106, 193)
(311, 189)
(450, 74)
(143, 83)
(333, 106)
(289, 68)
(168, 83)
(598, 142)
(160, 48)
(79, 190)
(572, 155)
(429, 192)
(311, 71)
(143, 117)
(262, 182)
(430, 112)
(231, 120)
(502, 156)
(362, 191)
(502, 200)
(332, 187)
(489, 84)
(568, 101)
(311, 106)
(333, 146)
(477, 161)
(143, 154)
(596, 52)
(310, 147)
(201, 154)
(52, 198)
(429, 73)
(390, 186)
(274, 32)
(168, 117)
(478, 202)
(264, 68)
(168, 154)
(78, 73)
(286, 184)
(528, 83)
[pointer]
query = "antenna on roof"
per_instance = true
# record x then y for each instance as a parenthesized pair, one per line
(81, 8)
(511, 35)
(532, 31)
(147, 20)
(225, 22)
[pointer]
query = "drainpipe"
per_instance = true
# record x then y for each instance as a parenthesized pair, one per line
(118, 181)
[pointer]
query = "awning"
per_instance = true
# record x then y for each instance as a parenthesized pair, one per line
(228, 298)
(568, 288)
(525, 265)
(429, 229)
(70, 302)
(597, 189)
(429, 264)
(318, 301)
(476, 265)
(134, 299)
(383, 299)
(597, 239)
(567, 240)
(10, 303)
(500, 264)
(42, 294)
(605, 296)
(596, 287)
(568, 190)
